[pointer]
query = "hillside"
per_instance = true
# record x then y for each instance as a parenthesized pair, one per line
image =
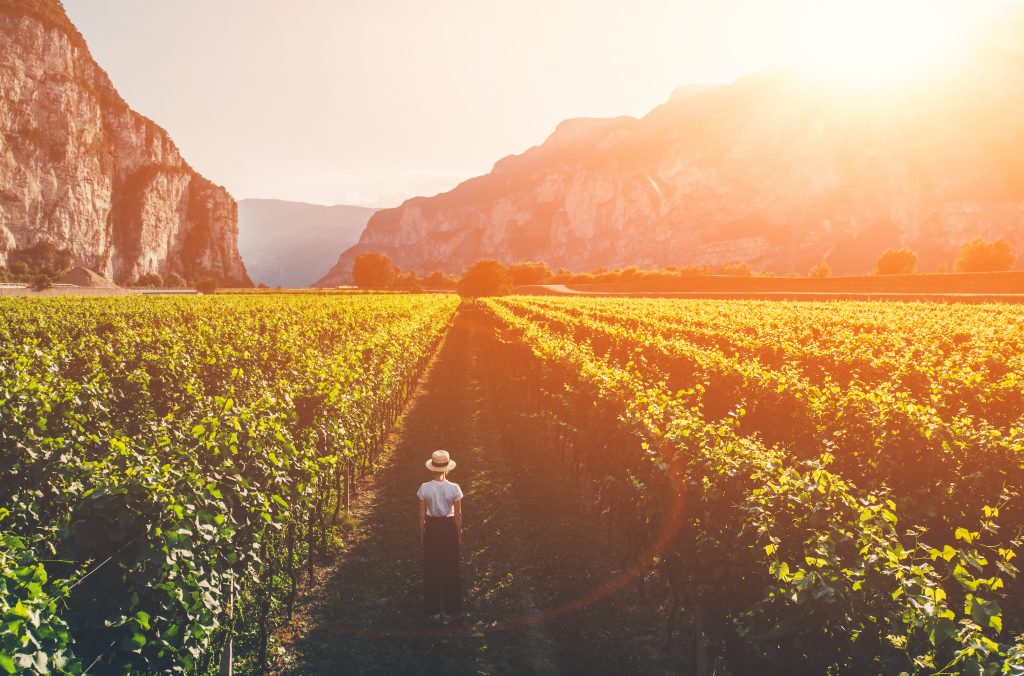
(87, 181)
(291, 244)
(779, 170)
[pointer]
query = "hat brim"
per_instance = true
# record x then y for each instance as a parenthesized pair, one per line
(446, 468)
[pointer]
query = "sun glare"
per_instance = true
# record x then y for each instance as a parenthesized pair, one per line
(878, 43)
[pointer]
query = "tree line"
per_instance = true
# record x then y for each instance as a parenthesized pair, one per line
(489, 277)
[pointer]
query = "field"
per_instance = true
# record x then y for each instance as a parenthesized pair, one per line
(652, 484)
(171, 463)
(823, 487)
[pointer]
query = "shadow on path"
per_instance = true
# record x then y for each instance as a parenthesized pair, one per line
(526, 549)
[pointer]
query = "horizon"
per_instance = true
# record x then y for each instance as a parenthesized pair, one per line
(399, 128)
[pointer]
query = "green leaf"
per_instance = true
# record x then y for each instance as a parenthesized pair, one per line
(143, 618)
(7, 664)
(138, 639)
(943, 630)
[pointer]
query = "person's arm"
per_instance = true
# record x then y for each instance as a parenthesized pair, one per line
(458, 519)
(423, 518)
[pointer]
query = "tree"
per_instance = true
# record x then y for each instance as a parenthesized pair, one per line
(897, 262)
(487, 277)
(151, 280)
(373, 271)
(529, 272)
(207, 284)
(820, 270)
(409, 281)
(41, 282)
(735, 270)
(439, 280)
(980, 255)
(175, 281)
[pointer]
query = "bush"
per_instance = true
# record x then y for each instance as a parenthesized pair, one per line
(485, 278)
(439, 280)
(41, 282)
(408, 281)
(820, 270)
(735, 270)
(152, 281)
(175, 281)
(373, 271)
(207, 284)
(980, 255)
(529, 272)
(897, 262)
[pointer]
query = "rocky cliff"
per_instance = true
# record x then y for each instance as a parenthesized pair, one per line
(779, 170)
(84, 180)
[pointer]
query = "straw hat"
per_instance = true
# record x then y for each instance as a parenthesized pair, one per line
(440, 461)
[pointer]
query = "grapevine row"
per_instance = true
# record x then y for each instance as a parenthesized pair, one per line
(777, 558)
(171, 468)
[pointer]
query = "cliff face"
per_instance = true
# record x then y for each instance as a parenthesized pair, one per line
(778, 170)
(84, 180)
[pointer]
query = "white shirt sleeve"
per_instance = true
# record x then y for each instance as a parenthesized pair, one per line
(458, 493)
(419, 493)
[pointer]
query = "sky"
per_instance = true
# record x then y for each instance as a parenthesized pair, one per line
(370, 103)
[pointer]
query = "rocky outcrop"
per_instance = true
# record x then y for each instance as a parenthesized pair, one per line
(778, 170)
(85, 180)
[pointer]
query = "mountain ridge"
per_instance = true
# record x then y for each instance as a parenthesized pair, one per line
(778, 169)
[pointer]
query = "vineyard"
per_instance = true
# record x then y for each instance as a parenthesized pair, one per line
(820, 488)
(170, 468)
(795, 487)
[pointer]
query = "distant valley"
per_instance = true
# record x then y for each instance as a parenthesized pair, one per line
(292, 244)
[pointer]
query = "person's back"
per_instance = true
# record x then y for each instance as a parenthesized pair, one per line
(441, 535)
(440, 497)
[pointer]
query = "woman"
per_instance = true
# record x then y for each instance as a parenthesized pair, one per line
(441, 535)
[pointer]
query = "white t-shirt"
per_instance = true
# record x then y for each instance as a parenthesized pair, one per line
(440, 497)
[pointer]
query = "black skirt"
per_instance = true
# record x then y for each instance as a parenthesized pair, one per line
(442, 588)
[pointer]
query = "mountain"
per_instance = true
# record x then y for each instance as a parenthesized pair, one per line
(291, 244)
(779, 169)
(87, 181)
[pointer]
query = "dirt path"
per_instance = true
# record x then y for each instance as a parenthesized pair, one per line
(528, 554)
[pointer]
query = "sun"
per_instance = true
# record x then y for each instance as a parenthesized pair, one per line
(877, 43)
